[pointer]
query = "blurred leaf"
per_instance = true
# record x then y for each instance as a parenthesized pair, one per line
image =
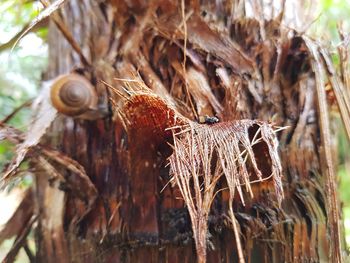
(42, 33)
(333, 12)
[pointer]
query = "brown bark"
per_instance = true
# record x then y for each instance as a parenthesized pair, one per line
(250, 74)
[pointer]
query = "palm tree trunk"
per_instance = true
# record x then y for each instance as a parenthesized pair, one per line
(235, 69)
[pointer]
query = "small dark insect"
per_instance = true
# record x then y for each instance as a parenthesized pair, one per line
(208, 120)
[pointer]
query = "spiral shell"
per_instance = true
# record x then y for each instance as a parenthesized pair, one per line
(73, 95)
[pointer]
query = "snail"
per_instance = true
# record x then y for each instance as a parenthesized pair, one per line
(73, 95)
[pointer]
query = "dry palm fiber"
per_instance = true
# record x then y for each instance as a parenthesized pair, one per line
(205, 153)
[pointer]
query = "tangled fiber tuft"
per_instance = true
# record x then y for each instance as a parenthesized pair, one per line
(205, 153)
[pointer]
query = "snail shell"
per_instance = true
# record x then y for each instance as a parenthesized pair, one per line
(73, 95)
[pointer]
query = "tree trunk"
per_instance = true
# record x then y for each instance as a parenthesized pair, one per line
(253, 71)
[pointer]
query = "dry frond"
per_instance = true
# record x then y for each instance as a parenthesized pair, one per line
(327, 164)
(44, 116)
(44, 14)
(205, 153)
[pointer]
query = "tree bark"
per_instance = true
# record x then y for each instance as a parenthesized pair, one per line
(252, 71)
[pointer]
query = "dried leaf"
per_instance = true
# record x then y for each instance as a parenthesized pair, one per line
(20, 217)
(90, 192)
(44, 14)
(341, 93)
(326, 152)
(9, 133)
(20, 241)
(202, 37)
(44, 114)
(202, 92)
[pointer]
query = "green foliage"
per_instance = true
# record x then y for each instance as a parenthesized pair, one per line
(16, 13)
(344, 186)
(346, 216)
(21, 70)
(332, 13)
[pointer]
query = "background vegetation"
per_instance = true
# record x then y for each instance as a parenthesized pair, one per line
(21, 72)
